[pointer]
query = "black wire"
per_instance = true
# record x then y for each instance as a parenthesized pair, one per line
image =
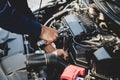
(40, 4)
(82, 45)
(39, 7)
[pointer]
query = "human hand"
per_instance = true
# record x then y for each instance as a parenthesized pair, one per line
(61, 53)
(48, 34)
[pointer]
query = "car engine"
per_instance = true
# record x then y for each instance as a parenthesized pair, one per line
(88, 31)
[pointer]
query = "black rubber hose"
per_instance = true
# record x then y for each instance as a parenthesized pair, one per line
(36, 59)
(44, 60)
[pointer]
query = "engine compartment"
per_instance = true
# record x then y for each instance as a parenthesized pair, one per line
(90, 34)
(88, 31)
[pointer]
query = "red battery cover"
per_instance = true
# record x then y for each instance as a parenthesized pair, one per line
(71, 72)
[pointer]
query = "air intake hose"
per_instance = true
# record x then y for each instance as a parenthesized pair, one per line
(44, 60)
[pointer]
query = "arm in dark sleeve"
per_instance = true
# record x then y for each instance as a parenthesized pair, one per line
(14, 21)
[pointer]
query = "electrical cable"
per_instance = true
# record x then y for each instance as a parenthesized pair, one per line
(39, 7)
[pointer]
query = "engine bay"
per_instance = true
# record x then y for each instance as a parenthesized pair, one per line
(88, 32)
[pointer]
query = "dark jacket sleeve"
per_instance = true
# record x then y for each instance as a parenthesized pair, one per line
(14, 21)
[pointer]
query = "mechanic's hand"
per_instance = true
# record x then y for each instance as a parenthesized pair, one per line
(61, 53)
(48, 34)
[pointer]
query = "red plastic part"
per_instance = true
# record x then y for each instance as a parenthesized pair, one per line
(71, 72)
